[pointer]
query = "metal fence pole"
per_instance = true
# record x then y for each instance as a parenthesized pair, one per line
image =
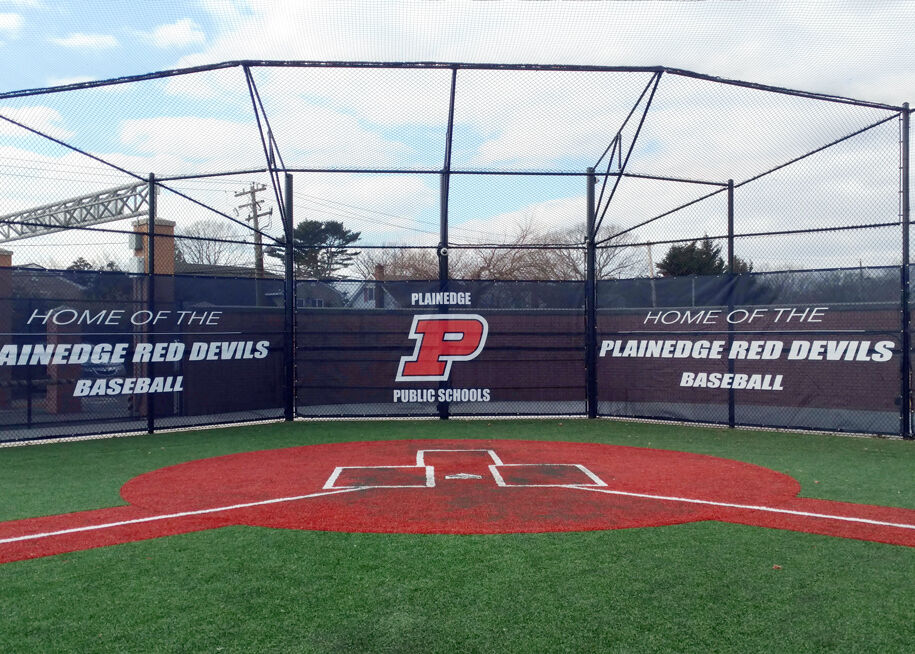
(289, 351)
(591, 299)
(28, 374)
(905, 405)
(732, 403)
(444, 187)
(151, 290)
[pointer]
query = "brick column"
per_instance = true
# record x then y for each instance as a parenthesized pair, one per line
(164, 270)
(6, 321)
(165, 245)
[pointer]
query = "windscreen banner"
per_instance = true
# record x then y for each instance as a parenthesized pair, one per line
(415, 349)
(84, 352)
(813, 350)
(87, 352)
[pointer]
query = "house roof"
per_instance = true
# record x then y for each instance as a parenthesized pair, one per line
(186, 268)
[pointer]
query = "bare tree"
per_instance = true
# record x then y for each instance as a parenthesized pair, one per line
(527, 254)
(518, 258)
(617, 257)
(558, 254)
(213, 243)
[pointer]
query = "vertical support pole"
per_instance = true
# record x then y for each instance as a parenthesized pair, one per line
(289, 351)
(444, 187)
(731, 225)
(905, 406)
(442, 252)
(28, 376)
(6, 324)
(732, 418)
(151, 290)
(591, 298)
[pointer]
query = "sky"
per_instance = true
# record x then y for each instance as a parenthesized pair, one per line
(860, 49)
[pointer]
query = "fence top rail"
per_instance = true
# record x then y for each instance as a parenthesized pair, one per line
(433, 65)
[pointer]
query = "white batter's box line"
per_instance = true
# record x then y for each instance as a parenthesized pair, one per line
(421, 455)
(500, 481)
(329, 484)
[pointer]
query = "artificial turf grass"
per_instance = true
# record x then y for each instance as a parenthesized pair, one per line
(706, 587)
(698, 587)
(55, 478)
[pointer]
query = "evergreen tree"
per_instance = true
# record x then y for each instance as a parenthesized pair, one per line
(698, 258)
(80, 264)
(320, 248)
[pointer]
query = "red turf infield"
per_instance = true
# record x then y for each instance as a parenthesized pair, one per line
(452, 487)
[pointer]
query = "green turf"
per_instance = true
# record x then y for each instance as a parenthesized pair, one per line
(702, 587)
(690, 588)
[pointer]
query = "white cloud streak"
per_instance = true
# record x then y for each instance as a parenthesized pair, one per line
(180, 34)
(846, 48)
(44, 119)
(80, 41)
(10, 25)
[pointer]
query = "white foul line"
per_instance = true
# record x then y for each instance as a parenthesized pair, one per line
(184, 514)
(750, 507)
(168, 516)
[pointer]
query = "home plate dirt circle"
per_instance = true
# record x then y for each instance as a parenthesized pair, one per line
(459, 486)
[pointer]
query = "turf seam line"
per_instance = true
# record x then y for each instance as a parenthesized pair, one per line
(750, 507)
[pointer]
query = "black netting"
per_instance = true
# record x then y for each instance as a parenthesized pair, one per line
(725, 214)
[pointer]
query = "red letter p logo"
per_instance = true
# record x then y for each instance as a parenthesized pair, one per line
(442, 339)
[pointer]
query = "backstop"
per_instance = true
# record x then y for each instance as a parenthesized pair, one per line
(354, 239)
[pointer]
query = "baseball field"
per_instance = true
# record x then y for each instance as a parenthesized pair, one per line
(554, 535)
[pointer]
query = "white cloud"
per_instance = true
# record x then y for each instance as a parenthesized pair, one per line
(316, 136)
(521, 120)
(178, 144)
(338, 119)
(838, 47)
(10, 25)
(80, 41)
(44, 119)
(180, 34)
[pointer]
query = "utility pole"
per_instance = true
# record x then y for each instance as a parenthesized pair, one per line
(254, 216)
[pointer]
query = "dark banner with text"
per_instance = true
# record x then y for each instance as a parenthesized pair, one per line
(414, 349)
(815, 350)
(88, 352)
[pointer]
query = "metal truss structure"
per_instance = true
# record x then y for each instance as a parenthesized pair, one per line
(122, 202)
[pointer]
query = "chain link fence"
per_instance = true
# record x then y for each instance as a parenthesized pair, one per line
(307, 213)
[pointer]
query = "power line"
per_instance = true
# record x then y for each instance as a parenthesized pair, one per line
(313, 198)
(225, 186)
